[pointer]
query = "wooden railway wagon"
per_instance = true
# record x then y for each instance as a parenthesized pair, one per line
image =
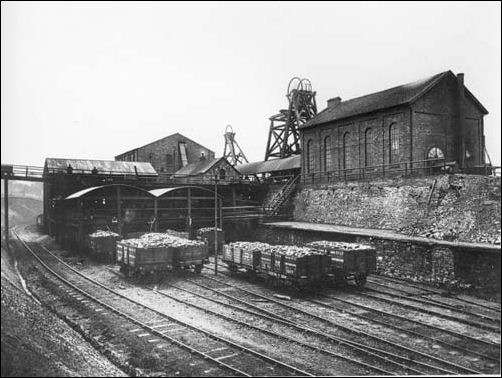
(302, 272)
(136, 261)
(349, 261)
(294, 266)
(103, 247)
(246, 256)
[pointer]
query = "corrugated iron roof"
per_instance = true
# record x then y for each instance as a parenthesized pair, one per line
(108, 167)
(395, 96)
(292, 162)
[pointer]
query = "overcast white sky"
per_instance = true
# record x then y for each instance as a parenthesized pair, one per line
(92, 80)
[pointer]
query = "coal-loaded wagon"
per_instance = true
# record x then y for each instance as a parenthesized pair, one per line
(158, 253)
(299, 267)
(102, 245)
(349, 261)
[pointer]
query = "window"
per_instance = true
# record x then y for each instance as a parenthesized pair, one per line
(310, 156)
(169, 162)
(368, 148)
(393, 143)
(222, 174)
(346, 151)
(327, 154)
(435, 153)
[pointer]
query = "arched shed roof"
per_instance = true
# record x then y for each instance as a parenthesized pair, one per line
(93, 189)
(162, 191)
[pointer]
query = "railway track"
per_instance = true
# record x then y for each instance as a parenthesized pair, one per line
(452, 348)
(427, 307)
(222, 353)
(487, 315)
(461, 338)
(432, 291)
(248, 324)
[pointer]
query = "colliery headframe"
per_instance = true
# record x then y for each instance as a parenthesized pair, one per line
(386, 206)
(392, 133)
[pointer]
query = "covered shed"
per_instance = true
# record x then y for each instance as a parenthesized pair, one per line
(275, 169)
(98, 167)
(204, 172)
(118, 207)
(185, 208)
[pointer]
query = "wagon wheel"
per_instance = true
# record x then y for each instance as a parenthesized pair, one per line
(360, 279)
(233, 269)
(198, 269)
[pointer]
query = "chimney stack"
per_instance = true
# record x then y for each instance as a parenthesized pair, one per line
(461, 118)
(332, 102)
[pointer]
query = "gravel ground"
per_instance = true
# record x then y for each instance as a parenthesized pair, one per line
(35, 342)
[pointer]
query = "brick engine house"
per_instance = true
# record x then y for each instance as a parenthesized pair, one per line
(434, 124)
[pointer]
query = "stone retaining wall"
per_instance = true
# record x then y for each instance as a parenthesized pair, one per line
(462, 207)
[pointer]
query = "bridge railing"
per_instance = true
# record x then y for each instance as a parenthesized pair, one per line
(22, 171)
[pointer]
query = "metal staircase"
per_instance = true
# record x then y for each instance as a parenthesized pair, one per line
(282, 197)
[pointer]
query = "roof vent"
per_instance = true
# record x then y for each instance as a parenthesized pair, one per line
(332, 102)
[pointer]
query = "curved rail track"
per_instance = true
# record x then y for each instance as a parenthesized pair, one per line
(165, 327)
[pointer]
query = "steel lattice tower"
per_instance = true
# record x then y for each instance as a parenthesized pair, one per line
(284, 134)
(232, 152)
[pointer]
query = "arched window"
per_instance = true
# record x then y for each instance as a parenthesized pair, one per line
(169, 161)
(346, 151)
(310, 156)
(435, 153)
(327, 154)
(393, 143)
(368, 148)
(222, 174)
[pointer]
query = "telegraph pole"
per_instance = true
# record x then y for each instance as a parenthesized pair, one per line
(215, 221)
(6, 212)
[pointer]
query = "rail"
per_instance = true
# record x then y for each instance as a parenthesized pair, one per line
(242, 352)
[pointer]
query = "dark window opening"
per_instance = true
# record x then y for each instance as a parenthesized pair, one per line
(346, 151)
(310, 157)
(327, 154)
(368, 148)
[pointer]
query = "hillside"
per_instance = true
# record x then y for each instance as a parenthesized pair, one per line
(22, 210)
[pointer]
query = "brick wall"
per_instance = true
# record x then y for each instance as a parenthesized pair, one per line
(435, 123)
(463, 207)
(164, 154)
(354, 133)
(430, 121)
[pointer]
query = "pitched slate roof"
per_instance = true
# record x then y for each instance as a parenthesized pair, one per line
(108, 167)
(292, 162)
(199, 168)
(400, 95)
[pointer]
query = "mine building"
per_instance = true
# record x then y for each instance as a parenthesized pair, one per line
(169, 154)
(431, 125)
